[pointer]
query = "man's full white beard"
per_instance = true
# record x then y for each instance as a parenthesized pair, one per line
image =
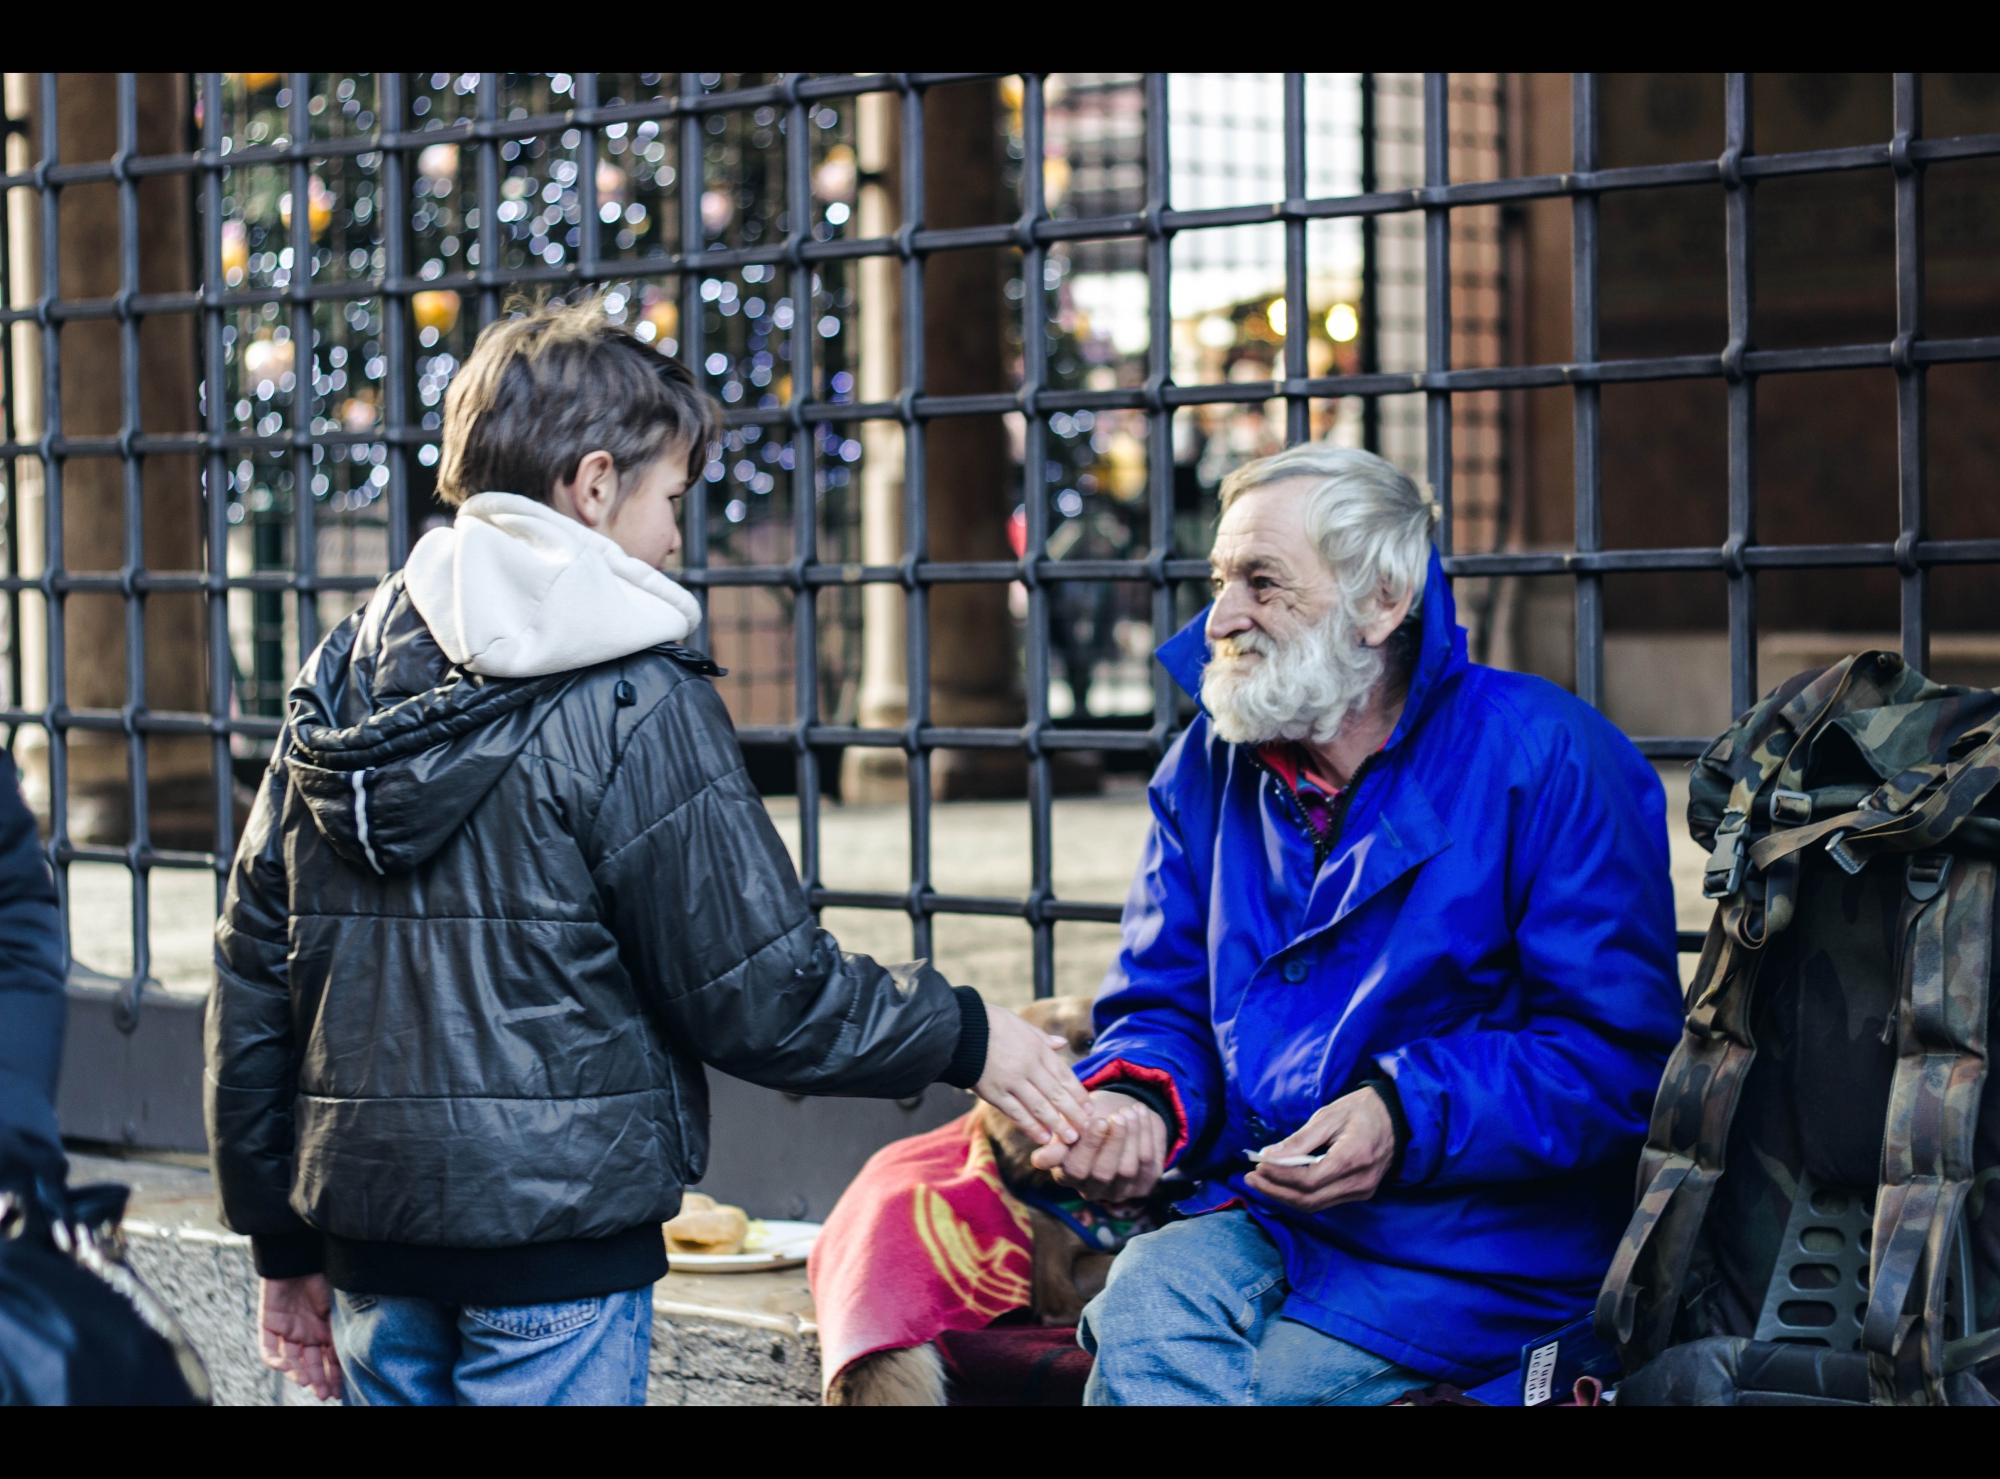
(1302, 689)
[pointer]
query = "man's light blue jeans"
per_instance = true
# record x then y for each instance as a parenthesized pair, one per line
(1190, 1317)
(399, 1351)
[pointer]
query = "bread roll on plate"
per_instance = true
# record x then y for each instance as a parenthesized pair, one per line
(706, 1226)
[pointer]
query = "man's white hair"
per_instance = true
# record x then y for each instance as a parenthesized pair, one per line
(1373, 529)
(1372, 524)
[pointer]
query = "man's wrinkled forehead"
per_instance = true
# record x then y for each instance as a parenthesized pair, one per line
(1263, 532)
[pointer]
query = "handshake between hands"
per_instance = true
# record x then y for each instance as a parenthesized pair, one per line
(1112, 1148)
(1107, 1145)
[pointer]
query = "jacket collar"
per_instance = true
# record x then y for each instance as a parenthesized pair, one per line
(1439, 659)
(1402, 832)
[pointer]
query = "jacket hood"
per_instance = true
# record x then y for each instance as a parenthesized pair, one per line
(392, 744)
(1441, 654)
(514, 589)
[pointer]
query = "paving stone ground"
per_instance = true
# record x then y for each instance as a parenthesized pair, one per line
(976, 848)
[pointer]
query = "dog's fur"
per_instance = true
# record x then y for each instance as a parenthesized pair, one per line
(1067, 1271)
(910, 1377)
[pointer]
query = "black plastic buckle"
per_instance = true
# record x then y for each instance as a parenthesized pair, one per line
(1926, 874)
(1790, 808)
(1724, 874)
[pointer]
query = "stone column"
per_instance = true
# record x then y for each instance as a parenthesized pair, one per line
(30, 638)
(94, 535)
(968, 471)
(880, 775)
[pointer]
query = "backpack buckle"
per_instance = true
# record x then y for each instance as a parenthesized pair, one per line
(1724, 874)
(1792, 808)
(1926, 874)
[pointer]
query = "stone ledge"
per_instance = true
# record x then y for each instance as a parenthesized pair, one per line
(744, 1340)
(734, 1340)
(704, 1357)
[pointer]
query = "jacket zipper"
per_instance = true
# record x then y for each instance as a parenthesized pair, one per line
(1322, 846)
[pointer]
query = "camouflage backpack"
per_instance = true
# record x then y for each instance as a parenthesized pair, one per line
(1833, 1064)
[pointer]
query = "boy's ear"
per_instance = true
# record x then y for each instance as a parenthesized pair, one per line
(589, 496)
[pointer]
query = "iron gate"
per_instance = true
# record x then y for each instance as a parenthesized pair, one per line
(134, 1061)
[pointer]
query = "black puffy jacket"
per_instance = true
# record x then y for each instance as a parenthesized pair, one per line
(480, 937)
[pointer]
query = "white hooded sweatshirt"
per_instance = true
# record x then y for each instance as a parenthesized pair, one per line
(514, 589)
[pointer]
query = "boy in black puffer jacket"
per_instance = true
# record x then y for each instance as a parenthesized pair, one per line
(505, 889)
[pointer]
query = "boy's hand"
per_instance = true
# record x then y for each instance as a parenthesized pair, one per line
(1027, 1082)
(295, 1334)
(1119, 1155)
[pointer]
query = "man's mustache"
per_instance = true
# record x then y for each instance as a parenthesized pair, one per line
(1252, 644)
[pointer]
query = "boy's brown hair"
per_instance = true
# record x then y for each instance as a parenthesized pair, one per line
(542, 390)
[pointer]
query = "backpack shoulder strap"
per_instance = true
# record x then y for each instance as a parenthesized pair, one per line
(1946, 965)
(1683, 1159)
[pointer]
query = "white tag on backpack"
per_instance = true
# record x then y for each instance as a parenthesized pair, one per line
(1538, 1386)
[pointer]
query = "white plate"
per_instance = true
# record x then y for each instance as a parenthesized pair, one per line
(786, 1246)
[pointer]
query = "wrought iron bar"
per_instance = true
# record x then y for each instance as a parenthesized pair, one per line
(916, 525)
(1437, 299)
(1589, 536)
(1035, 494)
(1912, 487)
(132, 488)
(1740, 223)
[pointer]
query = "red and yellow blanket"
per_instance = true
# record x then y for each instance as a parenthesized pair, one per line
(926, 1241)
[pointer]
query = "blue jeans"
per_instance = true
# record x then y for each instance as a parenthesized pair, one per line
(400, 1351)
(1190, 1317)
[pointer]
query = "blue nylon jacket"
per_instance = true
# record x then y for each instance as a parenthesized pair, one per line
(1493, 929)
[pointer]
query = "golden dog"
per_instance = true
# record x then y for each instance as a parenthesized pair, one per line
(1068, 1272)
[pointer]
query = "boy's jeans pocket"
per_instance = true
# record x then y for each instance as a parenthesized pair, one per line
(398, 1349)
(535, 1321)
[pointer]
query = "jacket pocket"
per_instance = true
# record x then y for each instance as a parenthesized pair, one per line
(687, 1081)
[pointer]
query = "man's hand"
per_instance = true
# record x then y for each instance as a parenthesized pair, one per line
(1027, 1082)
(1120, 1154)
(295, 1335)
(1360, 1143)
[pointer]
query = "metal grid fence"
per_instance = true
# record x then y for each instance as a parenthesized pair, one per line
(395, 142)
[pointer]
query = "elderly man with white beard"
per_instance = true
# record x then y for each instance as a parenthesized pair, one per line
(1396, 987)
